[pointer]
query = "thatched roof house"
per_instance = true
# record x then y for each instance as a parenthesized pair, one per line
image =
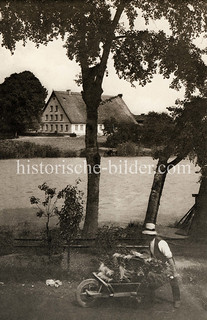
(65, 112)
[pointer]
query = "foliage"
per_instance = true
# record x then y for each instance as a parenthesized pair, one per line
(127, 149)
(133, 267)
(107, 239)
(156, 51)
(89, 26)
(46, 208)
(110, 236)
(6, 240)
(19, 149)
(71, 212)
(118, 133)
(22, 99)
(192, 117)
(157, 129)
(69, 215)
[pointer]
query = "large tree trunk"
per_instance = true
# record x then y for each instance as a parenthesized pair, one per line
(92, 78)
(157, 187)
(199, 225)
(156, 192)
(92, 100)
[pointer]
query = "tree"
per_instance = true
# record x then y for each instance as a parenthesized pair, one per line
(93, 29)
(121, 132)
(198, 108)
(22, 98)
(172, 136)
(70, 215)
(46, 209)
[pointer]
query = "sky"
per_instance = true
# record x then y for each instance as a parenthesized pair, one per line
(55, 71)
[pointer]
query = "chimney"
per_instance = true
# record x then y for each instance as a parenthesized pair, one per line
(69, 91)
(120, 95)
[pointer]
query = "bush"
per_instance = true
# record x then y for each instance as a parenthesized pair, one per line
(6, 240)
(127, 149)
(107, 239)
(10, 149)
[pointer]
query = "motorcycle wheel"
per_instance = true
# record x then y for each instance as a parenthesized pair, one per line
(82, 297)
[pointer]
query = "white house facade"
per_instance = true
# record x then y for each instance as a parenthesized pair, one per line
(65, 113)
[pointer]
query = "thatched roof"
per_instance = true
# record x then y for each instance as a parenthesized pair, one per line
(75, 108)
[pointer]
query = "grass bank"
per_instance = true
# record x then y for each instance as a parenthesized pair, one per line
(12, 149)
(57, 147)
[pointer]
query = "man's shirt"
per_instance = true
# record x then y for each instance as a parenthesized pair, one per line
(163, 247)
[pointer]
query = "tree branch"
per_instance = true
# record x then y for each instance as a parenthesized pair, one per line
(107, 46)
(177, 160)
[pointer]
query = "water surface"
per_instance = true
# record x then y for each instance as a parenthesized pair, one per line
(123, 195)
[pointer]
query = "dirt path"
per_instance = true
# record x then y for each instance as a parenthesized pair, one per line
(36, 301)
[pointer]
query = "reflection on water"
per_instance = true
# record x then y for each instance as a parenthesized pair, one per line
(124, 188)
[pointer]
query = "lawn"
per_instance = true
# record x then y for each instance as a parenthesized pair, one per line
(64, 143)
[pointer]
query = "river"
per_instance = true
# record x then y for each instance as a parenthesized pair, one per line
(124, 187)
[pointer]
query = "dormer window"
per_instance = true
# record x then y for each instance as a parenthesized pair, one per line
(51, 108)
(61, 117)
(56, 108)
(46, 117)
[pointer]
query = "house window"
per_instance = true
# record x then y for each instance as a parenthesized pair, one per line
(46, 127)
(46, 117)
(81, 127)
(61, 127)
(61, 117)
(51, 108)
(76, 126)
(51, 117)
(56, 117)
(56, 128)
(56, 108)
(51, 129)
(66, 127)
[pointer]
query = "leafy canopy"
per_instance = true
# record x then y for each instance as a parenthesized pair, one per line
(191, 118)
(22, 98)
(93, 28)
(180, 133)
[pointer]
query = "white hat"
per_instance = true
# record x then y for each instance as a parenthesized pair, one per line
(150, 229)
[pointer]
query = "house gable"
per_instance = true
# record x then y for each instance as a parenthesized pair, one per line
(65, 111)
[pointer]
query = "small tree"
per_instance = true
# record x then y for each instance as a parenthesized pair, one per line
(70, 214)
(46, 208)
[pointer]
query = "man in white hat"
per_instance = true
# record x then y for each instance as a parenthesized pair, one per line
(160, 250)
